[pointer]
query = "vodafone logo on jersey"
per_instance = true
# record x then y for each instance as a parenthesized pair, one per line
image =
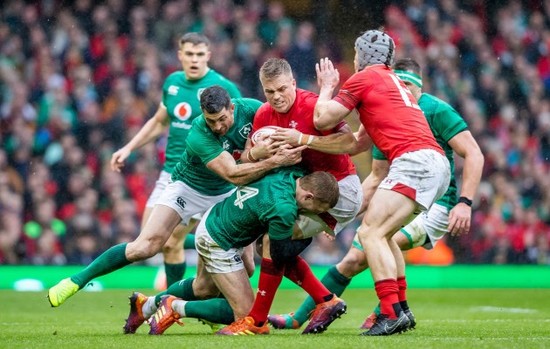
(183, 111)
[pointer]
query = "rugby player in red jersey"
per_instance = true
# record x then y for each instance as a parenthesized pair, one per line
(292, 110)
(419, 171)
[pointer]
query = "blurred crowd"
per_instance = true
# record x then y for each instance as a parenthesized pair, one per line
(78, 79)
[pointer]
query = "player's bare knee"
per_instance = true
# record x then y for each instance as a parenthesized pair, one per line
(136, 251)
(141, 248)
(206, 293)
(203, 289)
(372, 235)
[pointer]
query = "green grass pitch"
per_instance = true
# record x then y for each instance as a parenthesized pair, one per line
(447, 318)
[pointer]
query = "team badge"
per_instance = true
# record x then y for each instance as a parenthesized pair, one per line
(245, 130)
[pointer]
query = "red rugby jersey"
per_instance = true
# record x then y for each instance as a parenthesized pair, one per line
(300, 117)
(388, 111)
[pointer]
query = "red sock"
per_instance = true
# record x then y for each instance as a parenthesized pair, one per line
(269, 281)
(300, 273)
(387, 291)
(402, 284)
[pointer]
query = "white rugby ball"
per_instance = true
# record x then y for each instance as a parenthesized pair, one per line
(263, 133)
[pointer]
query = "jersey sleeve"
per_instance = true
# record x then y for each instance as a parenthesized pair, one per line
(204, 145)
(377, 154)
(447, 122)
(281, 221)
(165, 91)
(350, 94)
(169, 81)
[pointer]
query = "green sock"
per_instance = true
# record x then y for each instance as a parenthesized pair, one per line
(189, 242)
(182, 289)
(174, 272)
(109, 261)
(216, 310)
(334, 281)
(377, 309)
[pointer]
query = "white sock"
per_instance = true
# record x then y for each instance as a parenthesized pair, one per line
(149, 308)
(179, 307)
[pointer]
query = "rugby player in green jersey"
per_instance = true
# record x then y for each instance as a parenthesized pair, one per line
(271, 204)
(179, 107)
(448, 214)
(206, 174)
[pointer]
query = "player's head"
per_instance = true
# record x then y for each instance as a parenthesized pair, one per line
(194, 54)
(278, 84)
(373, 47)
(408, 70)
(317, 192)
(217, 109)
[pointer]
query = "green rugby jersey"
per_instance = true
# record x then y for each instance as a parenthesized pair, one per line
(181, 97)
(445, 123)
(267, 205)
(203, 145)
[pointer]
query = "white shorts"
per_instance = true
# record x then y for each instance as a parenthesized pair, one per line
(186, 201)
(428, 227)
(216, 260)
(425, 230)
(336, 219)
(421, 175)
(160, 185)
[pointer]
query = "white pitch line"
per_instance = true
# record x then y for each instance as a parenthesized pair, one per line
(482, 320)
(489, 309)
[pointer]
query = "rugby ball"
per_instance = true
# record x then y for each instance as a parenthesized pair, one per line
(263, 133)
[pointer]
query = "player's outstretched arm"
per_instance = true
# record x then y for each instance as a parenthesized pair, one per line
(344, 141)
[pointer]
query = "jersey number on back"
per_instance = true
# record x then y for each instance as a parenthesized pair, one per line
(407, 96)
(243, 194)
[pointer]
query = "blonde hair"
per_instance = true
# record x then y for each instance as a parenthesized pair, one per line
(275, 67)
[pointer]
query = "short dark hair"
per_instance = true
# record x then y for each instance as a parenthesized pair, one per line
(407, 64)
(214, 99)
(323, 186)
(194, 38)
(275, 67)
